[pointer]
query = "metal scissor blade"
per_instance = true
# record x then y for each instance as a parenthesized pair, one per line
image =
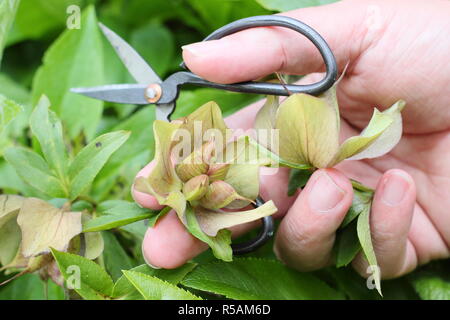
(136, 65)
(120, 93)
(164, 111)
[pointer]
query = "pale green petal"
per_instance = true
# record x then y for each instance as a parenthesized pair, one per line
(330, 96)
(308, 130)
(245, 158)
(177, 201)
(265, 118)
(265, 121)
(381, 134)
(218, 171)
(174, 199)
(203, 124)
(9, 205)
(220, 243)
(18, 262)
(196, 188)
(220, 194)
(94, 244)
(192, 166)
(10, 238)
(213, 221)
(389, 137)
(244, 178)
(163, 178)
(163, 183)
(244, 150)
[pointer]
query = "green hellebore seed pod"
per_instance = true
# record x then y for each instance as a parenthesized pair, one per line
(208, 150)
(191, 167)
(196, 188)
(218, 171)
(219, 195)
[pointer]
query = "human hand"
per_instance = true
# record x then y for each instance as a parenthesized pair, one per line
(395, 50)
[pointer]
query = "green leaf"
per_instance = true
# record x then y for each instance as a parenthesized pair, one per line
(352, 284)
(74, 60)
(361, 200)
(431, 286)
(94, 284)
(156, 45)
(134, 153)
(153, 288)
(20, 94)
(13, 90)
(220, 244)
(37, 18)
(31, 287)
(216, 13)
(256, 279)
(117, 213)
(8, 111)
(8, 10)
(298, 179)
(91, 159)
(347, 245)
(10, 182)
(123, 289)
(48, 130)
(137, 12)
(114, 256)
(283, 5)
(33, 169)
(365, 239)
(137, 229)
(229, 102)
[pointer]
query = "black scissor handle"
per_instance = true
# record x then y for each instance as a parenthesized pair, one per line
(265, 233)
(171, 84)
(273, 88)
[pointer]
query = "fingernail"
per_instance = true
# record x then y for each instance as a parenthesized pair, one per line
(325, 194)
(200, 48)
(395, 187)
(197, 49)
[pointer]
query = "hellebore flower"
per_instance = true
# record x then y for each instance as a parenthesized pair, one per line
(309, 130)
(202, 174)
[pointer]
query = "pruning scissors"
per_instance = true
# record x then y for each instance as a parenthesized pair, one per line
(150, 89)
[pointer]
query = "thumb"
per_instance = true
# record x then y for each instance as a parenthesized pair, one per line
(306, 234)
(253, 53)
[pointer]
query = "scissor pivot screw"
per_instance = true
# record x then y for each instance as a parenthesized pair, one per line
(153, 93)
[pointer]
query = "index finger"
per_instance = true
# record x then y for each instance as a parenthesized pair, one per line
(253, 53)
